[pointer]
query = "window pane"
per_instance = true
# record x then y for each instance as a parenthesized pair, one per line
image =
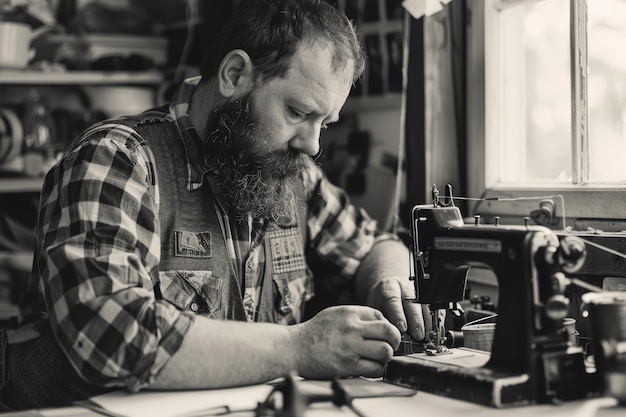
(607, 90)
(534, 89)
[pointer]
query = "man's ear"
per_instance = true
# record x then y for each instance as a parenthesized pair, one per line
(235, 73)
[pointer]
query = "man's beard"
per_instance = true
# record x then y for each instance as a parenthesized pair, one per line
(253, 181)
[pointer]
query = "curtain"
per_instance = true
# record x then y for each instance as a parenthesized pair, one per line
(434, 99)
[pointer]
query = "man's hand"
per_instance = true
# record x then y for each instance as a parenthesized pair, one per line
(382, 282)
(344, 341)
(394, 298)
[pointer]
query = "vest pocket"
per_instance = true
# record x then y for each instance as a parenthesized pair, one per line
(292, 278)
(295, 289)
(197, 291)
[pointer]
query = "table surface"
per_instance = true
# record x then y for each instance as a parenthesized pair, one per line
(422, 404)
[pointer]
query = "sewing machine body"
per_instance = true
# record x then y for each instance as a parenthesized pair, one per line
(532, 360)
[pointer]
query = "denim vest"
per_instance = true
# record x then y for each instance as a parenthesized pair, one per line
(195, 271)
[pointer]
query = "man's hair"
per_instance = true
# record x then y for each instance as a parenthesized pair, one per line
(270, 31)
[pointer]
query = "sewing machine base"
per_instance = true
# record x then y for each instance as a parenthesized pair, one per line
(482, 385)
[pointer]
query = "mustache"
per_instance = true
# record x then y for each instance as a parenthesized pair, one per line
(284, 163)
(248, 160)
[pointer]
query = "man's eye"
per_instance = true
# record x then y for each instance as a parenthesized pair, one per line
(296, 113)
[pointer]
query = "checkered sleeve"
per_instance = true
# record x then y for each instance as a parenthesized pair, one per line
(98, 246)
(340, 232)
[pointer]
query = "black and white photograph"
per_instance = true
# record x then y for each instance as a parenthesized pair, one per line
(312, 208)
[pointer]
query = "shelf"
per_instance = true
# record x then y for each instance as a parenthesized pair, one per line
(391, 101)
(80, 77)
(12, 183)
(20, 185)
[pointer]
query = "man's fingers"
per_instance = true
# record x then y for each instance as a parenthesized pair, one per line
(389, 294)
(376, 351)
(369, 368)
(382, 330)
(367, 313)
(397, 305)
(418, 317)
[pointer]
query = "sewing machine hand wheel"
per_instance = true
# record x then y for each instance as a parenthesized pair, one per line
(572, 253)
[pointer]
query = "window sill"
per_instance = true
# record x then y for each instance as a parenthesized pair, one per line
(583, 206)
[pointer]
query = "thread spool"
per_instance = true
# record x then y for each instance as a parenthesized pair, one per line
(607, 316)
(454, 339)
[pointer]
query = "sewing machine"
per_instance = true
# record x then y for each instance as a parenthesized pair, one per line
(531, 360)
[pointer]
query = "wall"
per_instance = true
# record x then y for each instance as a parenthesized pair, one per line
(380, 119)
(384, 128)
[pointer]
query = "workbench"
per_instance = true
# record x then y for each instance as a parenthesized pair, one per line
(421, 404)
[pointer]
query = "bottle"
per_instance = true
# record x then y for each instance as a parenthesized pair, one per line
(39, 134)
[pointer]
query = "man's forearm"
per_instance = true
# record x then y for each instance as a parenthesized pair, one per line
(217, 353)
(339, 341)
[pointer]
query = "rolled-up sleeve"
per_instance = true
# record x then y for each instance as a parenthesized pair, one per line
(340, 233)
(98, 256)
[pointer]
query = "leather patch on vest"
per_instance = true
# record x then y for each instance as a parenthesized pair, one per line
(192, 244)
(287, 253)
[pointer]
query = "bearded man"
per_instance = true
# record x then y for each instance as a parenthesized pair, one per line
(174, 243)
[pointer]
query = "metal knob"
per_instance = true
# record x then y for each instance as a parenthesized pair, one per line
(557, 307)
(572, 253)
(559, 283)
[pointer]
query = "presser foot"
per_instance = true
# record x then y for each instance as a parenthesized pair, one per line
(436, 350)
(435, 345)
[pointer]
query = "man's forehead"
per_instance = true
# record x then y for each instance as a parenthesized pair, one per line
(311, 54)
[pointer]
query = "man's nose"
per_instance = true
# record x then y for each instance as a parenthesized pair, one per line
(307, 140)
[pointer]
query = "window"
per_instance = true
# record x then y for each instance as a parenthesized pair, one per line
(555, 102)
(534, 92)
(531, 110)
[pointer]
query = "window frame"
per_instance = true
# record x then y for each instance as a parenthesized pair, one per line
(582, 201)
